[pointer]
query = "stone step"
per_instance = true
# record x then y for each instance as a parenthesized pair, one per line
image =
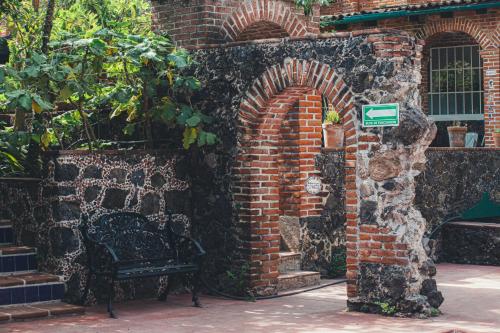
(471, 242)
(298, 279)
(38, 311)
(5, 222)
(14, 249)
(29, 288)
(17, 259)
(289, 261)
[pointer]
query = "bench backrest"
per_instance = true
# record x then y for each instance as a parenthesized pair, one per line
(133, 237)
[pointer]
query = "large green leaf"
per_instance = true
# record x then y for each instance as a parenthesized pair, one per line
(32, 71)
(45, 105)
(129, 129)
(25, 102)
(177, 60)
(97, 46)
(193, 121)
(189, 137)
(184, 115)
(65, 93)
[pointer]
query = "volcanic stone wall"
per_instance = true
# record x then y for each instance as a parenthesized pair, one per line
(386, 261)
(46, 215)
(454, 180)
(322, 237)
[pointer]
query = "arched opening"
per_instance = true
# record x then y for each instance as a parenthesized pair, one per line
(262, 30)
(253, 19)
(280, 138)
(452, 87)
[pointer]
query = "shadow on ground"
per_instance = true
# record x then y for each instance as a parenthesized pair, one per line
(472, 304)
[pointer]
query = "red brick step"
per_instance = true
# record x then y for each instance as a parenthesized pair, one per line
(11, 249)
(38, 310)
(26, 279)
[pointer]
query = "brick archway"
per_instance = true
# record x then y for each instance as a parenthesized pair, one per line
(279, 136)
(251, 12)
(489, 52)
(460, 24)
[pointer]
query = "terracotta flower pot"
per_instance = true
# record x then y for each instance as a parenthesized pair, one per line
(456, 134)
(333, 135)
(496, 137)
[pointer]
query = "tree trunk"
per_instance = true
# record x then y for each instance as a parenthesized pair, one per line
(47, 25)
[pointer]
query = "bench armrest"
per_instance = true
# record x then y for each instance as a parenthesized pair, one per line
(95, 249)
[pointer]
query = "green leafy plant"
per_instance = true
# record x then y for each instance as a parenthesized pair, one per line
(332, 116)
(338, 263)
(13, 152)
(308, 4)
(236, 281)
(435, 312)
(386, 308)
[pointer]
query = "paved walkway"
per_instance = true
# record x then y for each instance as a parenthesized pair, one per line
(472, 304)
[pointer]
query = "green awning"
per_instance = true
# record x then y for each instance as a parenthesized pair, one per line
(374, 16)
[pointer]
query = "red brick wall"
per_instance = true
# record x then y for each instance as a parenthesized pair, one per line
(280, 135)
(484, 30)
(260, 30)
(205, 22)
(276, 159)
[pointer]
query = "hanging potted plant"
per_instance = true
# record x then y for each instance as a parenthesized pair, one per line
(333, 133)
(456, 134)
(496, 137)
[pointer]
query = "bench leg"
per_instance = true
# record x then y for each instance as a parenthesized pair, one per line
(111, 295)
(164, 294)
(196, 289)
(87, 288)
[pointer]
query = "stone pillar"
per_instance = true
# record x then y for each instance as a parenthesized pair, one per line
(395, 274)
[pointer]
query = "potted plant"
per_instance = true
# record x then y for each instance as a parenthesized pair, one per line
(456, 134)
(496, 137)
(333, 133)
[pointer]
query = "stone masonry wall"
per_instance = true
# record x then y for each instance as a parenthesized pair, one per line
(322, 237)
(454, 180)
(383, 228)
(47, 215)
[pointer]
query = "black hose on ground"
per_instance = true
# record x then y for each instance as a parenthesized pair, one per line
(451, 219)
(258, 298)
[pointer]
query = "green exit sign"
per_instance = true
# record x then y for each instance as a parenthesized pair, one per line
(380, 115)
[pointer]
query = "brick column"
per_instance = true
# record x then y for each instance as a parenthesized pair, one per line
(491, 84)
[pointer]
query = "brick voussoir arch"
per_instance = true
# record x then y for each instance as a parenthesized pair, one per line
(299, 73)
(257, 180)
(248, 13)
(460, 24)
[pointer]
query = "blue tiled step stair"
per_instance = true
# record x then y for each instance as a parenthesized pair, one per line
(26, 293)
(29, 288)
(17, 259)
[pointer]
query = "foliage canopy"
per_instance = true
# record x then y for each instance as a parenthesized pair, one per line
(104, 70)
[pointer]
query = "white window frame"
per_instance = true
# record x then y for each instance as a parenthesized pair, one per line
(445, 116)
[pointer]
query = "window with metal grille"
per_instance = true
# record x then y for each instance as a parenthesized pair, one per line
(456, 83)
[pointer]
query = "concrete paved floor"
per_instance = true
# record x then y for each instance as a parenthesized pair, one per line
(472, 304)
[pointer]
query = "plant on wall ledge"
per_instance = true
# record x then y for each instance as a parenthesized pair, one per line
(87, 74)
(308, 4)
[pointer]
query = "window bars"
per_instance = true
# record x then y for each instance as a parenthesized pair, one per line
(456, 83)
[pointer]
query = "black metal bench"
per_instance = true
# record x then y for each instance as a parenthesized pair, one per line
(124, 246)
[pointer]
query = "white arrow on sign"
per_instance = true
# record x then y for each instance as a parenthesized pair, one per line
(381, 113)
